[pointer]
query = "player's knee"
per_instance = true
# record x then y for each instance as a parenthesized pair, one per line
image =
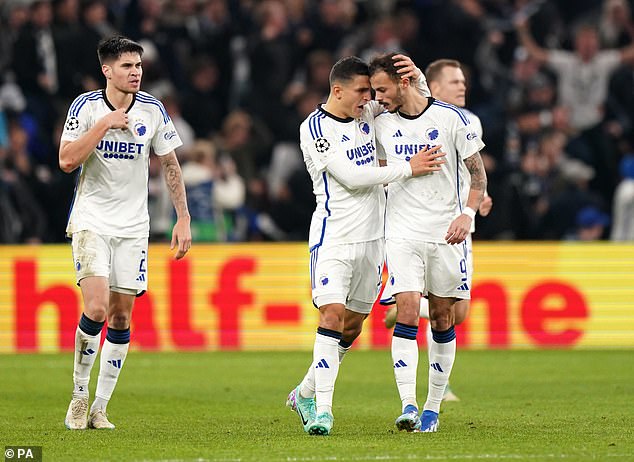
(441, 319)
(119, 321)
(350, 333)
(96, 310)
(409, 317)
(331, 319)
(441, 324)
(461, 312)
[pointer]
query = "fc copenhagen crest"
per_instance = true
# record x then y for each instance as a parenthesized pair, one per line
(322, 145)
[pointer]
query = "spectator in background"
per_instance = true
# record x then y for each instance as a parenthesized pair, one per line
(539, 110)
(184, 129)
(616, 28)
(36, 71)
(35, 55)
(13, 15)
(95, 26)
(270, 57)
(214, 192)
(331, 24)
(217, 31)
(623, 206)
(592, 224)
(24, 219)
(247, 141)
(203, 103)
(272, 49)
(67, 36)
(583, 77)
(383, 39)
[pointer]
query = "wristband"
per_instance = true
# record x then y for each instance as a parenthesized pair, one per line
(469, 212)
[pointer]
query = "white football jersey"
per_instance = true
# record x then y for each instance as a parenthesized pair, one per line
(342, 214)
(112, 189)
(422, 208)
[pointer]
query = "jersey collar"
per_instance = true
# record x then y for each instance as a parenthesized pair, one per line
(109, 104)
(430, 101)
(338, 119)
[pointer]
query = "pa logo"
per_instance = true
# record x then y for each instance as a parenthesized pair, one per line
(72, 123)
(322, 145)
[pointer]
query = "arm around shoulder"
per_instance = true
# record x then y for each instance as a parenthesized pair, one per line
(364, 177)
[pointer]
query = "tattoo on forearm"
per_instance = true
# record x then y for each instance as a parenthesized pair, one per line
(175, 185)
(478, 175)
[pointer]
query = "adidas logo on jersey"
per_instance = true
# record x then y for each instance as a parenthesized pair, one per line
(344, 138)
(398, 134)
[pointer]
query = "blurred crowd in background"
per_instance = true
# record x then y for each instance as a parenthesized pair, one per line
(239, 76)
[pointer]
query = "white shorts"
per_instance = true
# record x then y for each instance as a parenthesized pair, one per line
(122, 260)
(416, 266)
(349, 274)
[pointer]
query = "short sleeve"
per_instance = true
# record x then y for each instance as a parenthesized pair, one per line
(320, 145)
(78, 120)
(467, 141)
(166, 138)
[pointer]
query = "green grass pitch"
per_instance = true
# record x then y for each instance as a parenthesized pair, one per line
(516, 405)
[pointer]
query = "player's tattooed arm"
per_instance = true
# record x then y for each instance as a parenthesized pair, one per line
(175, 185)
(478, 180)
(181, 234)
(461, 226)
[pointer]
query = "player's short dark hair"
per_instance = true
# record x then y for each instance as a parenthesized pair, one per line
(435, 68)
(385, 63)
(111, 49)
(347, 69)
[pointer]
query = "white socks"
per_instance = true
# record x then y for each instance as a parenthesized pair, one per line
(405, 362)
(441, 358)
(112, 358)
(307, 386)
(326, 367)
(86, 348)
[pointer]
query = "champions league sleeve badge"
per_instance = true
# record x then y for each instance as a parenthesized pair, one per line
(72, 123)
(322, 145)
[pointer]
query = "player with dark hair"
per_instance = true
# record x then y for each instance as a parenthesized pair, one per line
(346, 233)
(426, 223)
(447, 83)
(108, 135)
